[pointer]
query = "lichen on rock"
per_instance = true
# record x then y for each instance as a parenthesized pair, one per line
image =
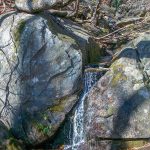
(120, 109)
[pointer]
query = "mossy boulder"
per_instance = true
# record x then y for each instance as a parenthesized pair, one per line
(43, 124)
(118, 105)
(40, 74)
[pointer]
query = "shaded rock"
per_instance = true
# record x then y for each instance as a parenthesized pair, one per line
(7, 141)
(118, 106)
(13, 144)
(40, 68)
(90, 49)
(4, 134)
(43, 124)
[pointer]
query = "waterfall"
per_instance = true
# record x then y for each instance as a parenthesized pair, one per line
(90, 78)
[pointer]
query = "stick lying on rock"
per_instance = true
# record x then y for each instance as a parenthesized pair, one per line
(96, 69)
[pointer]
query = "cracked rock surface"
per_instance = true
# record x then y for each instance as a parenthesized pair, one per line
(40, 74)
(118, 106)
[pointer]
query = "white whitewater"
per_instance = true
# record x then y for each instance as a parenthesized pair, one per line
(78, 123)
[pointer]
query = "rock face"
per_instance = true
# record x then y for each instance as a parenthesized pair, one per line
(134, 8)
(40, 75)
(118, 107)
(33, 6)
(90, 49)
(138, 7)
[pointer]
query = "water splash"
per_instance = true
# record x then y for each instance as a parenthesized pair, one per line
(78, 123)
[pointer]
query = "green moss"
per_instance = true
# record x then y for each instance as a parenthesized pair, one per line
(60, 106)
(66, 38)
(125, 145)
(131, 144)
(57, 108)
(13, 144)
(17, 33)
(40, 124)
(111, 110)
(34, 1)
(118, 74)
(118, 77)
(46, 130)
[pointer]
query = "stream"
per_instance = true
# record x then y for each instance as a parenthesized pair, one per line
(90, 78)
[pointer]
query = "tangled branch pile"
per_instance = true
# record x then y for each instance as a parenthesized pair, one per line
(6, 6)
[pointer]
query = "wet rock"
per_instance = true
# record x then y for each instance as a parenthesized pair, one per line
(40, 75)
(118, 107)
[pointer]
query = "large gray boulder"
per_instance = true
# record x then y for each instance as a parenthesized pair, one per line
(118, 106)
(33, 6)
(40, 75)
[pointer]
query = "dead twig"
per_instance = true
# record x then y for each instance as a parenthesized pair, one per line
(96, 13)
(145, 20)
(96, 69)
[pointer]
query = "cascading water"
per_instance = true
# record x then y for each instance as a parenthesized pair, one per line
(90, 78)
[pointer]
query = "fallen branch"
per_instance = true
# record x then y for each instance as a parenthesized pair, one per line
(96, 69)
(144, 20)
(96, 13)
